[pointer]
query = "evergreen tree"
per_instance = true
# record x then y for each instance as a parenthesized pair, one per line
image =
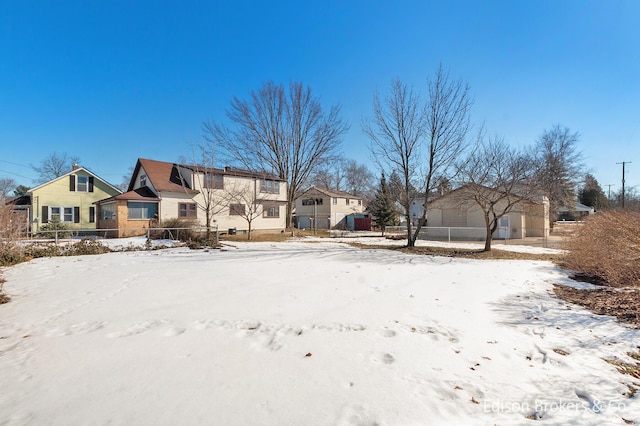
(591, 194)
(383, 206)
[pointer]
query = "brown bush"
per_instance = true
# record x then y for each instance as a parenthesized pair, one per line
(175, 230)
(607, 247)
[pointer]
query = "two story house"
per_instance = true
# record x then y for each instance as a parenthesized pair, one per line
(326, 209)
(237, 200)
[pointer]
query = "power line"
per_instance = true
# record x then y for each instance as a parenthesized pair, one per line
(15, 164)
(16, 174)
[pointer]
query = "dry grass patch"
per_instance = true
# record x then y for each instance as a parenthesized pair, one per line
(622, 304)
(465, 253)
(276, 237)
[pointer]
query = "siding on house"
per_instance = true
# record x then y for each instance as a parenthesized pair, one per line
(172, 185)
(526, 219)
(77, 192)
(330, 209)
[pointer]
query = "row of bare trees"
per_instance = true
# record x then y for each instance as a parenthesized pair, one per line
(422, 139)
(426, 139)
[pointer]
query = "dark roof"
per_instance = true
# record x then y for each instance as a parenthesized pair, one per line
(142, 194)
(23, 200)
(165, 176)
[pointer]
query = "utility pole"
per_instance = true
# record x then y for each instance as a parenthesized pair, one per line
(609, 186)
(623, 163)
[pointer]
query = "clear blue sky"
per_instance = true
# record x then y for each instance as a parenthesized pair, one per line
(111, 81)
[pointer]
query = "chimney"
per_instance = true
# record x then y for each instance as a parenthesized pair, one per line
(75, 166)
(227, 168)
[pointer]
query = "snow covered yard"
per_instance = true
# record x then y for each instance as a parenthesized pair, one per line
(303, 333)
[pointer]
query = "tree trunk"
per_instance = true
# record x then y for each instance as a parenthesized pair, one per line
(489, 236)
(208, 234)
(411, 242)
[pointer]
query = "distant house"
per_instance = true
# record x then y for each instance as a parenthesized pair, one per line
(576, 212)
(326, 209)
(160, 191)
(456, 209)
(69, 199)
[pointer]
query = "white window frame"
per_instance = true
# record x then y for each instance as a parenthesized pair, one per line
(62, 212)
(85, 183)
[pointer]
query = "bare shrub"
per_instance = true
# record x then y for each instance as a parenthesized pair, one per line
(175, 230)
(607, 247)
(10, 230)
(4, 298)
(85, 246)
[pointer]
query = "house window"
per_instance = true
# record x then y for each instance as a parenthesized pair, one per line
(213, 181)
(311, 202)
(237, 209)
(187, 210)
(92, 214)
(335, 200)
(271, 211)
(359, 202)
(141, 210)
(54, 214)
(80, 183)
(62, 214)
(83, 184)
(347, 200)
(143, 180)
(269, 186)
(108, 211)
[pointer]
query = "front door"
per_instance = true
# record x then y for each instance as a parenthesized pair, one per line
(504, 227)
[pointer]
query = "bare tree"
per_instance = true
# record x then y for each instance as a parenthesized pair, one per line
(496, 178)
(201, 178)
(53, 166)
(330, 174)
(359, 181)
(246, 202)
(396, 131)
(448, 123)
(560, 166)
(126, 179)
(347, 175)
(285, 132)
(6, 186)
(420, 141)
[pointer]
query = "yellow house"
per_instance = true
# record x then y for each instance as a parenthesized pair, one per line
(70, 199)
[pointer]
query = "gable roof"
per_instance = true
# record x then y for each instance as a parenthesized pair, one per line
(74, 171)
(330, 193)
(165, 177)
